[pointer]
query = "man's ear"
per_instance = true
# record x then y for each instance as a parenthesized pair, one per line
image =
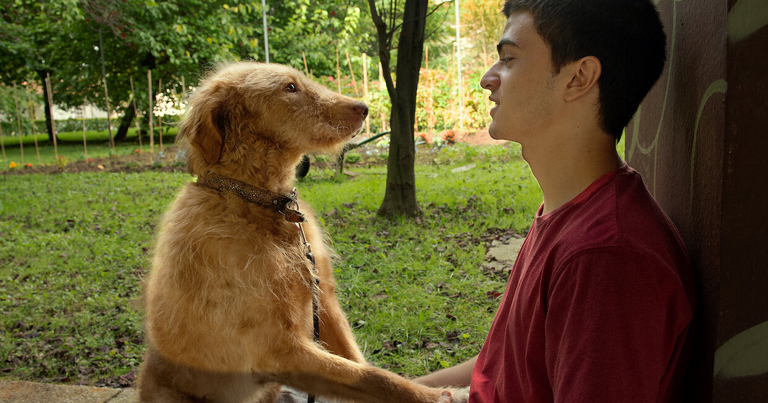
(584, 75)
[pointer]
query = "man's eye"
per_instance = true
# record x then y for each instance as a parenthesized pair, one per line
(291, 87)
(505, 60)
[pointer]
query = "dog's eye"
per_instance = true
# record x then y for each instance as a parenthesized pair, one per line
(291, 87)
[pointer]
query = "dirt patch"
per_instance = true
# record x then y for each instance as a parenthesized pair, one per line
(137, 161)
(170, 161)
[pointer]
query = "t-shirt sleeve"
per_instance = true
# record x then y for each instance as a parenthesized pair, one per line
(613, 319)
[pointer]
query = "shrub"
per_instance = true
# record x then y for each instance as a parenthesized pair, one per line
(351, 158)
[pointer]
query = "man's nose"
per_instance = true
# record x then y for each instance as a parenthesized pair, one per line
(490, 80)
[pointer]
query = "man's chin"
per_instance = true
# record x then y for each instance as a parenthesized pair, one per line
(493, 131)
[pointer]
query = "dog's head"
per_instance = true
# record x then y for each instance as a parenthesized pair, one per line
(248, 104)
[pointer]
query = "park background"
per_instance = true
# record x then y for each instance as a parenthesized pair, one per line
(79, 199)
(73, 248)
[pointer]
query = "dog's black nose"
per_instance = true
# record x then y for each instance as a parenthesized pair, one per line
(361, 109)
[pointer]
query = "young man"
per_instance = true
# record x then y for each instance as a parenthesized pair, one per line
(599, 303)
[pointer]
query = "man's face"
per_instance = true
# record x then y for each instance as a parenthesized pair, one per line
(521, 82)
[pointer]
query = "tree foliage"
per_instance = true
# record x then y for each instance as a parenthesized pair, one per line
(174, 38)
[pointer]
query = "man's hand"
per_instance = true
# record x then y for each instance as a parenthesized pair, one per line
(445, 397)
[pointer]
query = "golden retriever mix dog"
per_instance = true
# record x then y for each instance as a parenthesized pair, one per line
(229, 297)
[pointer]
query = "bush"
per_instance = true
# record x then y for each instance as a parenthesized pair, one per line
(351, 158)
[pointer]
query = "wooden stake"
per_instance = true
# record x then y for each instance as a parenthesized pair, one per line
(382, 86)
(18, 121)
(53, 121)
(136, 112)
(454, 68)
(365, 91)
(160, 117)
(32, 119)
(106, 96)
(430, 108)
(306, 70)
(459, 78)
(365, 75)
(85, 146)
(338, 70)
(150, 112)
(2, 144)
(352, 73)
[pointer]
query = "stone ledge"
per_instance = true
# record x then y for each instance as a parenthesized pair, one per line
(31, 392)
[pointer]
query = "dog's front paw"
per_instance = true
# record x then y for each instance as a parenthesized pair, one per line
(459, 395)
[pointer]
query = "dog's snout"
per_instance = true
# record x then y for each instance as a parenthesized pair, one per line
(361, 109)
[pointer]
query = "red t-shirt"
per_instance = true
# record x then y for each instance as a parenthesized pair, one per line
(598, 305)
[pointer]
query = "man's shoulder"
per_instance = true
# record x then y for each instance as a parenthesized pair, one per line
(621, 214)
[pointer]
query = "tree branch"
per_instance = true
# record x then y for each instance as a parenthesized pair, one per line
(384, 48)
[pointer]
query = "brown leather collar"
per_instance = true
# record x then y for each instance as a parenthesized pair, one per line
(252, 194)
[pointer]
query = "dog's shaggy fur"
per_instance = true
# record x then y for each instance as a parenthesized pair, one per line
(229, 296)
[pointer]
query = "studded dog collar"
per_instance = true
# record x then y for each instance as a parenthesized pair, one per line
(285, 205)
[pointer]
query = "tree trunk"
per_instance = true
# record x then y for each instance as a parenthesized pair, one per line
(400, 194)
(48, 116)
(125, 123)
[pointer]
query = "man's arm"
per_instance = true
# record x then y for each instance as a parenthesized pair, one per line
(457, 376)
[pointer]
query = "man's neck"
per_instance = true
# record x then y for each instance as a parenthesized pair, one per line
(564, 172)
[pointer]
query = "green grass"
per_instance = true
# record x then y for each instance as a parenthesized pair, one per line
(73, 249)
(71, 147)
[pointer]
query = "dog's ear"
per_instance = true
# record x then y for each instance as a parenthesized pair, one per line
(211, 139)
(204, 127)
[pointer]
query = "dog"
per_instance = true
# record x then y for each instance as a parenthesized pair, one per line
(229, 298)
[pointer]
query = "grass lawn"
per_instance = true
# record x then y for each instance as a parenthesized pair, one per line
(74, 247)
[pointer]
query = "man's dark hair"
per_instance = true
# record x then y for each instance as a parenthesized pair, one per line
(625, 35)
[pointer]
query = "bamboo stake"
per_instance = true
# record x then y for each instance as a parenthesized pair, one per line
(338, 70)
(85, 146)
(31, 111)
(160, 117)
(18, 121)
(306, 70)
(352, 73)
(53, 122)
(150, 112)
(136, 112)
(365, 91)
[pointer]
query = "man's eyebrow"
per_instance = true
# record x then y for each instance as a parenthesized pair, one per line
(503, 42)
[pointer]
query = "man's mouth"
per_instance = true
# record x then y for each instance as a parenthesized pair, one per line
(493, 110)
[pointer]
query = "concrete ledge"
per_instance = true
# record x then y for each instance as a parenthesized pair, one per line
(31, 392)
